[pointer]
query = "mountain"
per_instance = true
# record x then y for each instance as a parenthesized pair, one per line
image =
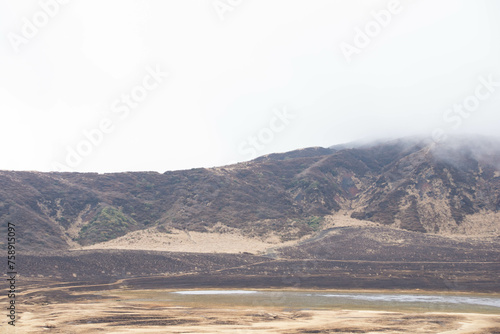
(451, 187)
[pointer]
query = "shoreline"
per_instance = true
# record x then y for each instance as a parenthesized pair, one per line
(68, 309)
(305, 289)
(141, 317)
(311, 299)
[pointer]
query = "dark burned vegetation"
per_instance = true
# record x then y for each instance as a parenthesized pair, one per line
(343, 258)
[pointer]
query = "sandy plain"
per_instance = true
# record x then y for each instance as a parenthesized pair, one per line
(112, 311)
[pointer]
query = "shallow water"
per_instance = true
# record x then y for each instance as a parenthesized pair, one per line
(326, 300)
(214, 292)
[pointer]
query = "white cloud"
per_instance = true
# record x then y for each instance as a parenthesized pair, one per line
(226, 76)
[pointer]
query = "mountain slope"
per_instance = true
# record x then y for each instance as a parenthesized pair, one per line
(413, 184)
(435, 188)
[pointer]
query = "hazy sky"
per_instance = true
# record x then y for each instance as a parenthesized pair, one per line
(129, 85)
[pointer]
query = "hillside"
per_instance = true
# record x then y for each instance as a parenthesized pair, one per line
(412, 184)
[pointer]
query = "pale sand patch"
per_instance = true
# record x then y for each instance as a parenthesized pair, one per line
(229, 241)
(343, 218)
(481, 224)
(193, 242)
(222, 239)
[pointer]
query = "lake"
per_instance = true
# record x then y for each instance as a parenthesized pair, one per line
(324, 299)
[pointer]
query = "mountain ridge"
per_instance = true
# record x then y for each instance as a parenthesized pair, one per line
(412, 184)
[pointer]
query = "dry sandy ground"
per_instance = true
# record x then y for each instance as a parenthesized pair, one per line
(231, 241)
(480, 224)
(124, 317)
(193, 242)
(115, 317)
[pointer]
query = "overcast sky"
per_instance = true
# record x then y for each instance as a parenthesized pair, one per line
(132, 85)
